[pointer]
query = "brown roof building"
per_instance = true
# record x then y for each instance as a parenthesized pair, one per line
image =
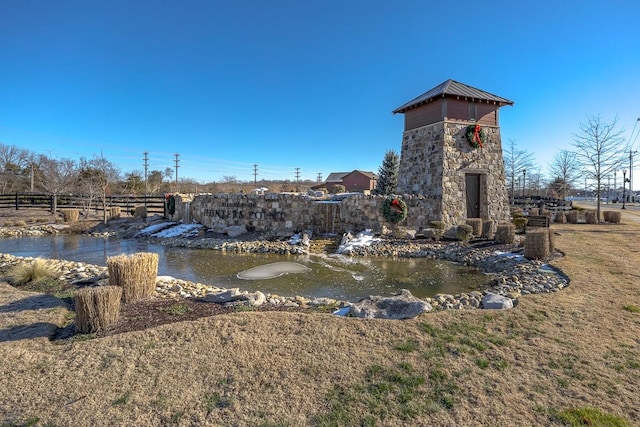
(356, 181)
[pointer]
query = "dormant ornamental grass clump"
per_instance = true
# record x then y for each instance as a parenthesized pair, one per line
(114, 212)
(536, 244)
(136, 274)
(476, 225)
(36, 271)
(572, 216)
(505, 233)
(140, 212)
(70, 215)
(488, 229)
(97, 308)
(591, 217)
(612, 217)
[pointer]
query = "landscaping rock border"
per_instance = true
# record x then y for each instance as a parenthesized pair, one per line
(512, 274)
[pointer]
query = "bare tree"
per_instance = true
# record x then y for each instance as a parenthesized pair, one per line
(88, 185)
(154, 181)
(15, 167)
(565, 170)
(600, 149)
(105, 175)
(57, 176)
(515, 162)
(536, 181)
(133, 183)
(230, 179)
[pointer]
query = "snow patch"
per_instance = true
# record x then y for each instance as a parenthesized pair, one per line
(181, 230)
(363, 238)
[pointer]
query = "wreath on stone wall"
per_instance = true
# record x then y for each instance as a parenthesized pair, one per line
(476, 136)
(394, 210)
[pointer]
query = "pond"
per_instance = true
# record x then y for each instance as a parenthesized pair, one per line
(333, 276)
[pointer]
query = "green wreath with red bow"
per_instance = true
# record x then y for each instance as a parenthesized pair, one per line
(476, 136)
(394, 210)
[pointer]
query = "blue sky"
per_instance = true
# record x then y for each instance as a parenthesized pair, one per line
(290, 84)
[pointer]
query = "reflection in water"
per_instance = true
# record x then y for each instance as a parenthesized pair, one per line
(334, 276)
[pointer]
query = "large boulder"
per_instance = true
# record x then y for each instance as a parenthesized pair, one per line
(224, 297)
(236, 230)
(496, 302)
(401, 306)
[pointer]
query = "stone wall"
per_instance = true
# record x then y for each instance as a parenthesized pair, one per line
(435, 161)
(286, 214)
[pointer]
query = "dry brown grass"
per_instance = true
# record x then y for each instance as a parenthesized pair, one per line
(140, 212)
(536, 244)
(505, 233)
(572, 216)
(136, 274)
(35, 270)
(554, 352)
(476, 224)
(97, 308)
(114, 212)
(613, 217)
(70, 215)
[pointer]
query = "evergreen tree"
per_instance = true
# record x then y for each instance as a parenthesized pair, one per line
(388, 173)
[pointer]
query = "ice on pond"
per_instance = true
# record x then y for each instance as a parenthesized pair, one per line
(273, 270)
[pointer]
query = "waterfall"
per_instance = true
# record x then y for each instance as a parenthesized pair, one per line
(186, 217)
(329, 216)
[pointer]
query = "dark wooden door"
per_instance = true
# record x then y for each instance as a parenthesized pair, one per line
(473, 195)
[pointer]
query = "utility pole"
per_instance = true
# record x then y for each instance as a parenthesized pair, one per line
(631, 153)
(32, 177)
(146, 169)
(297, 179)
(624, 186)
(255, 174)
(177, 156)
(319, 179)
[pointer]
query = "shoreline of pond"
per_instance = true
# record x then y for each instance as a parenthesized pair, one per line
(512, 275)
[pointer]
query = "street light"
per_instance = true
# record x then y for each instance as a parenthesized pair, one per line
(631, 153)
(524, 181)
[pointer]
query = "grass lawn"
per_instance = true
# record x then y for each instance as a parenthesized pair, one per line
(567, 358)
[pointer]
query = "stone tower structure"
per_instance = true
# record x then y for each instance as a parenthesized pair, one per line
(452, 154)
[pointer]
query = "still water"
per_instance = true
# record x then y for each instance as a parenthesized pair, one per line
(331, 276)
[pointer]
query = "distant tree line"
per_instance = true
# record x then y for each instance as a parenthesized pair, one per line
(23, 171)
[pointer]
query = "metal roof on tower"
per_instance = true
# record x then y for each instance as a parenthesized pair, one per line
(452, 88)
